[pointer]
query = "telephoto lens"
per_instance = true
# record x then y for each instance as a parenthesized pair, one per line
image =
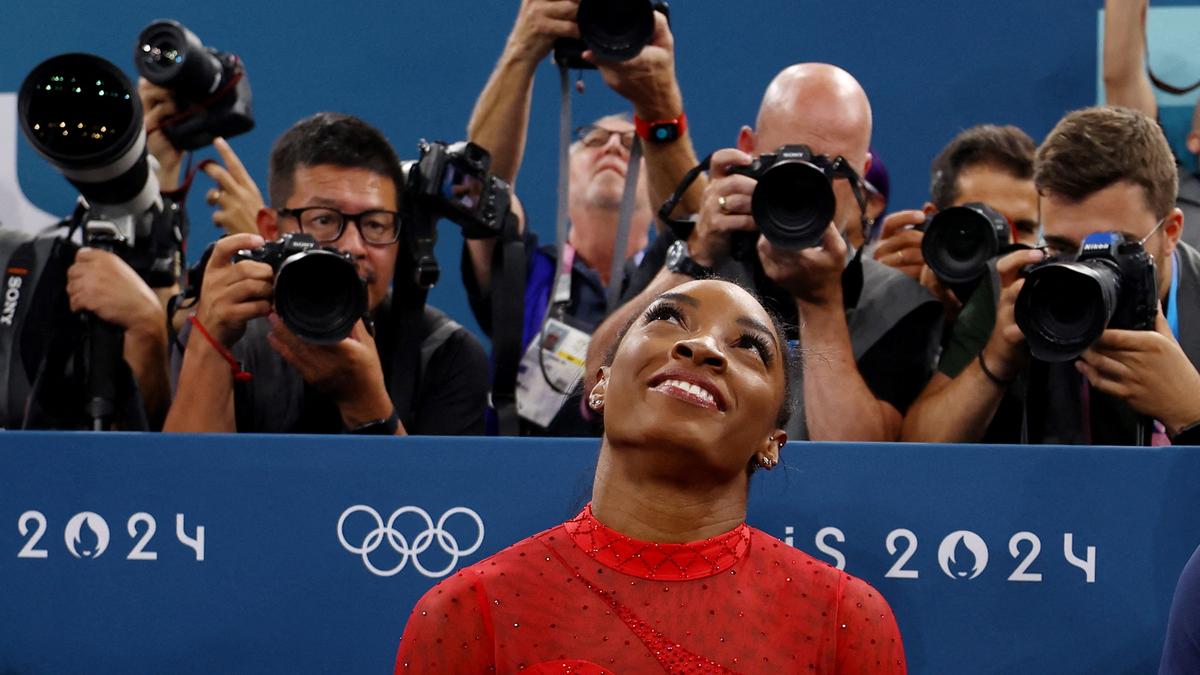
(960, 241)
(82, 114)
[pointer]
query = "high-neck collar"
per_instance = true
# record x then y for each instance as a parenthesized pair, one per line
(655, 561)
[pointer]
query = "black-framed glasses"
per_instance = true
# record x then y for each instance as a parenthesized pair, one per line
(593, 136)
(376, 226)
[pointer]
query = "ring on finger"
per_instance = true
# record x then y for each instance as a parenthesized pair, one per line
(213, 196)
(723, 205)
(900, 256)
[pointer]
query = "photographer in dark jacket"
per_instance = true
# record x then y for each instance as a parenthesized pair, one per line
(425, 377)
(1100, 170)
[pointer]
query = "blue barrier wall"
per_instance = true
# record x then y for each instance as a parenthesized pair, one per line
(995, 559)
(415, 68)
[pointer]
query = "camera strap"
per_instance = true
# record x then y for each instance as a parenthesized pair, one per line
(508, 312)
(616, 274)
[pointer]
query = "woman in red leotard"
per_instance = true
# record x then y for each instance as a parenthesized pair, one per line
(660, 573)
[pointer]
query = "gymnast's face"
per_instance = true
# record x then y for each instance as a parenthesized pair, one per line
(699, 375)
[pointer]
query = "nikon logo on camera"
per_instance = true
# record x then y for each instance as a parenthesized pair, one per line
(12, 294)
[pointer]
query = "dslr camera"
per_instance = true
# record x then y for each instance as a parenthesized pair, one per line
(452, 181)
(793, 202)
(1065, 305)
(318, 293)
(615, 30)
(210, 87)
(960, 241)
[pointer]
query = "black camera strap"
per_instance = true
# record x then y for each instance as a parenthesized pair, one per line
(616, 275)
(508, 311)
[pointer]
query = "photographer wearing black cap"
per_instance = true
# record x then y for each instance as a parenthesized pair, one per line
(334, 182)
(1099, 345)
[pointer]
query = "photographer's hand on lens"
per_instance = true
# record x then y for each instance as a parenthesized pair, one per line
(900, 242)
(725, 209)
(648, 79)
(101, 283)
(1006, 353)
(233, 293)
(348, 371)
(157, 106)
(237, 198)
(539, 24)
(813, 276)
(1148, 370)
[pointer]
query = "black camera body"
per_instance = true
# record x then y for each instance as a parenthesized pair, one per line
(793, 202)
(960, 240)
(210, 87)
(455, 182)
(615, 30)
(318, 293)
(1064, 306)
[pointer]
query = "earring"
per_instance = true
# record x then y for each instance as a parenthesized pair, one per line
(595, 401)
(766, 462)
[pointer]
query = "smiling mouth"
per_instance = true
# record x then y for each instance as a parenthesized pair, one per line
(689, 393)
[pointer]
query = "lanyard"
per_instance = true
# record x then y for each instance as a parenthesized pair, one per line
(1173, 296)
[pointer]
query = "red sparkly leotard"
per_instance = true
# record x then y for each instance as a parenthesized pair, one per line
(582, 598)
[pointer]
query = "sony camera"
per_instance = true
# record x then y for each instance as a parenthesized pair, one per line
(793, 202)
(210, 87)
(615, 30)
(318, 293)
(960, 241)
(1064, 306)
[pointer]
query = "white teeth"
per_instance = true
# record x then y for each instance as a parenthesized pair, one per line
(692, 389)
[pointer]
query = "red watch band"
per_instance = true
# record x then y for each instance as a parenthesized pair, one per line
(660, 131)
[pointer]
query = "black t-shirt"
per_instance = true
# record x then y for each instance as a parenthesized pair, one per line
(448, 384)
(895, 362)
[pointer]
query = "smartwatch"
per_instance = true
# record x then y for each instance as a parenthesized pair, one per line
(660, 131)
(679, 261)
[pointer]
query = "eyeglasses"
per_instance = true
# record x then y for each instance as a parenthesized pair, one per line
(593, 136)
(377, 226)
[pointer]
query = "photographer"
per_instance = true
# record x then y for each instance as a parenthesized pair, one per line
(867, 333)
(1127, 83)
(346, 169)
(599, 161)
(1100, 170)
(985, 164)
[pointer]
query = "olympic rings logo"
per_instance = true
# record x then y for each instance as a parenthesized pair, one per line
(401, 545)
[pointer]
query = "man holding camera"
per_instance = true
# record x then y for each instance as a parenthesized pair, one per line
(985, 164)
(1101, 170)
(337, 179)
(867, 333)
(599, 161)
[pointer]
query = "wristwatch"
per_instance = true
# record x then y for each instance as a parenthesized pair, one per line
(679, 261)
(660, 131)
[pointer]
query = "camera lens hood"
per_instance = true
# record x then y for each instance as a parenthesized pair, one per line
(319, 296)
(1065, 306)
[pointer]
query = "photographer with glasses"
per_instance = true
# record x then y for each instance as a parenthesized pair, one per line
(1105, 178)
(337, 180)
(866, 331)
(548, 395)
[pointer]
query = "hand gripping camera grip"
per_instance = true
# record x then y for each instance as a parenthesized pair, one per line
(105, 351)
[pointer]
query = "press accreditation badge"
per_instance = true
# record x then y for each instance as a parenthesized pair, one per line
(550, 370)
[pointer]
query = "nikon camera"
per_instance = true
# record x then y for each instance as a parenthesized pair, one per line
(1065, 305)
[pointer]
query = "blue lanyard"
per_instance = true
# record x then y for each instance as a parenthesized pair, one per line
(1173, 300)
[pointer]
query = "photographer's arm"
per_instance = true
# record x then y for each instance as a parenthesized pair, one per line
(959, 409)
(232, 295)
(648, 81)
(101, 283)
(500, 121)
(838, 404)
(1126, 82)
